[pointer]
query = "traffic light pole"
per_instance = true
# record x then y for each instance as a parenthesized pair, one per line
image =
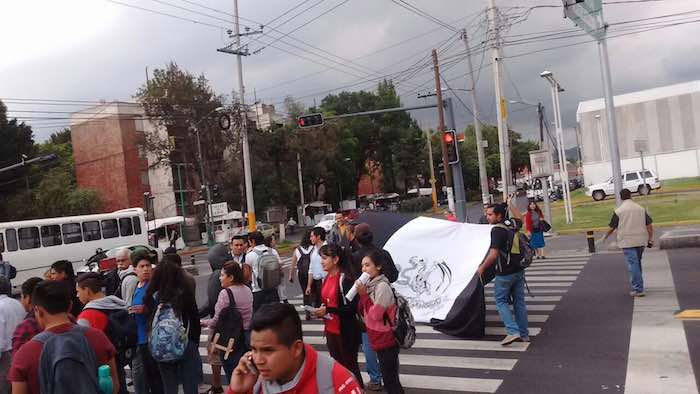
(456, 169)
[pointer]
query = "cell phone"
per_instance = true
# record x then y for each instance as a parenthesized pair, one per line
(251, 365)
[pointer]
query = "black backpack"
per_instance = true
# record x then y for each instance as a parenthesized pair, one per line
(68, 364)
(304, 261)
(230, 324)
(121, 331)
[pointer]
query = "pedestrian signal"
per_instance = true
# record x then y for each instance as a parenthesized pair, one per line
(451, 146)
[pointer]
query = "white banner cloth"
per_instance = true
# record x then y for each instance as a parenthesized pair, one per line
(436, 260)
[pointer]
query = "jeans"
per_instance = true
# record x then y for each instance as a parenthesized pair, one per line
(186, 371)
(389, 363)
(371, 361)
(262, 297)
(633, 256)
(145, 374)
(232, 362)
(5, 361)
(506, 286)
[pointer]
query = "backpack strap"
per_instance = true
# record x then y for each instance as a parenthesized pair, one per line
(231, 299)
(324, 374)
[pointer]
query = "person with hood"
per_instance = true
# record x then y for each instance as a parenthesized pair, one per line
(365, 238)
(378, 307)
(96, 312)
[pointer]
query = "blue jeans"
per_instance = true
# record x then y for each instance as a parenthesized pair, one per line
(633, 256)
(186, 371)
(371, 361)
(232, 362)
(504, 287)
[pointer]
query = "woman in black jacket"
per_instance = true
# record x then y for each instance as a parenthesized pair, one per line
(342, 327)
(170, 285)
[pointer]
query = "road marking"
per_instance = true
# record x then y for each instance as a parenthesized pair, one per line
(689, 314)
(427, 382)
(530, 318)
(422, 329)
(553, 284)
(530, 273)
(530, 307)
(536, 299)
(457, 344)
(535, 292)
(659, 360)
(499, 364)
(548, 278)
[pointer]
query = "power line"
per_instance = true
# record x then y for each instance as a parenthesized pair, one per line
(406, 5)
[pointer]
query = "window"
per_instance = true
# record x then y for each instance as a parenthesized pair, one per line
(29, 238)
(125, 228)
(109, 228)
(71, 233)
(632, 176)
(2, 243)
(91, 231)
(50, 235)
(648, 174)
(11, 236)
(137, 224)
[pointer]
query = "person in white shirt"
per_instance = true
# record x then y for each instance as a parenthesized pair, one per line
(11, 314)
(127, 277)
(260, 296)
(316, 272)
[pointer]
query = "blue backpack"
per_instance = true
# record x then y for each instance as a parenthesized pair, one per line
(169, 337)
(68, 364)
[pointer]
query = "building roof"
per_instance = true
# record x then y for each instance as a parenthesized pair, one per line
(641, 96)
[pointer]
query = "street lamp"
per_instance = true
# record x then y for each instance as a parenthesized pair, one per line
(209, 223)
(563, 171)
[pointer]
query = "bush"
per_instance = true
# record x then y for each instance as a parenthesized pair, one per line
(418, 204)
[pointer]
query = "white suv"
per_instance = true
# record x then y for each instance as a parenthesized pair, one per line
(634, 181)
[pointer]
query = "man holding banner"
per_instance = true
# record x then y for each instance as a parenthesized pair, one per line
(509, 283)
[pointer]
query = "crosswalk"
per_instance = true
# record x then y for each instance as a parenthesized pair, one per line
(440, 363)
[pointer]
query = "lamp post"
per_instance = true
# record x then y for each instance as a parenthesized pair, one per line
(563, 170)
(205, 183)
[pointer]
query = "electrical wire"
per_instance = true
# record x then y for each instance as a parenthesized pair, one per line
(407, 6)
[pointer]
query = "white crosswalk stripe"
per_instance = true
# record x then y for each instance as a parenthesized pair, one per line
(441, 362)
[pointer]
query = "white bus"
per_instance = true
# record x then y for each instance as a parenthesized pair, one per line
(33, 245)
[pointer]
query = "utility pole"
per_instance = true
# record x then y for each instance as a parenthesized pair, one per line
(432, 169)
(301, 191)
(441, 119)
(239, 51)
(502, 111)
(544, 181)
(483, 178)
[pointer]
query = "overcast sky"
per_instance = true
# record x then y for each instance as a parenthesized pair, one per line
(96, 49)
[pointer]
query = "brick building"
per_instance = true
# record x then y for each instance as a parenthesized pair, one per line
(108, 158)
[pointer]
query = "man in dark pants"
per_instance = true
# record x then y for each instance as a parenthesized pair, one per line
(258, 248)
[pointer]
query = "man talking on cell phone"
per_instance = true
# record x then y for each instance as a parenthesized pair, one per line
(280, 361)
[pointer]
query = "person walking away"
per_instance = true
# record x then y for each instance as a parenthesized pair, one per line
(316, 272)
(534, 224)
(11, 315)
(378, 308)
(280, 361)
(291, 225)
(510, 278)
(64, 358)
(107, 314)
(144, 369)
(7, 270)
(342, 329)
(233, 289)
(271, 243)
(62, 270)
(259, 257)
(170, 287)
(301, 259)
(173, 238)
(29, 327)
(634, 232)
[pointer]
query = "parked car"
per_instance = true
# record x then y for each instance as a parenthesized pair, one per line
(92, 263)
(266, 229)
(634, 181)
(327, 221)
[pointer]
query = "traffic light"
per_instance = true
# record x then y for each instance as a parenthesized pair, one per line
(451, 146)
(215, 195)
(310, 120)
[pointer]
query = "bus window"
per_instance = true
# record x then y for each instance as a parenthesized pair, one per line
(11, 236)
(29, 238)
(109, 228)
(2, 243)
(125, 228)
(71, 233)
(137, 224)
(91, 231)
(50, 235)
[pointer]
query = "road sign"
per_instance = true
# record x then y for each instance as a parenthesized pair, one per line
(199, 202)
(640, 146)
(586, 14)
(541, 163)
(219, 209)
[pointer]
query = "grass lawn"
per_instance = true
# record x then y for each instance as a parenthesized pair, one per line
(666, 207)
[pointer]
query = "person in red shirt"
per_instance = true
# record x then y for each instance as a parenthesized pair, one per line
(280, 362)
(29, 327)
(51, 305)
(342, 329)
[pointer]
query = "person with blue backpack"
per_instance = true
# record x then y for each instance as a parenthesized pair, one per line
(65, 357)
(509, 283)
(174, 334)
(144, 369)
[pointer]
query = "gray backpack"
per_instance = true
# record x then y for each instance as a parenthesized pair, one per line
(269, 270)
(68, 364)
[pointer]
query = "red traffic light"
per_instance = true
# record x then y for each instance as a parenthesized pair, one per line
(448, 137)
(451, 146)
(310, 120)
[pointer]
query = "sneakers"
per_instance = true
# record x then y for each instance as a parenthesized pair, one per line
(637, 293)
(525, 339)
(509, 339)
(371, 386)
